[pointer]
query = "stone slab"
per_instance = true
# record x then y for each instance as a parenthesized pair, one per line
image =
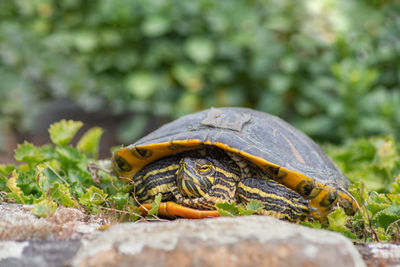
(240, 241)
(40, 253)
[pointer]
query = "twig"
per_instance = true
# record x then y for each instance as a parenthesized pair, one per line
(393, 225)
(122, 211)
(93, 165)
(140, 204)
(56, 173)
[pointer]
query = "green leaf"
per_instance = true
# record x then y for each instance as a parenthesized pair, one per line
(52, 175)
(68, 155)
(62, 132)
(377, 202)
(44, 182)
(44, 208)
(337, 220)
(5, 170)
(396, 185)
(254, 205)
(29, 153)
(395, 198)
(77, 189)
(12, 185)
(47, 165)
(155, 205)
(82, 177)
(120, 199)
(244, 212)
(89, 142)
(313, 224)
(27, 182)
(227, 209)
(60, 193)
(3, 183)
(93, 197)
(389, 215)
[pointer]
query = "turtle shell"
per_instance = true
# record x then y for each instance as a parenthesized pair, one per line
(284, 152)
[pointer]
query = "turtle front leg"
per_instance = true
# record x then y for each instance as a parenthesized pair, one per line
(278, 200)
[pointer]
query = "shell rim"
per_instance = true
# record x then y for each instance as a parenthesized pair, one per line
(289, 178)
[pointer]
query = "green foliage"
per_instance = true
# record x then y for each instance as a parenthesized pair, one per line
(62, 132)
(329, 67)
(338, 222)
(92, 198)
(44, 208)
(374, 167)
(62, 174)
(60, 193)
(155, 205)
(376, 161)
(31, 154)
(253, 206)
(15, 191)
(230, 209)
(89, 142)
(227, 209)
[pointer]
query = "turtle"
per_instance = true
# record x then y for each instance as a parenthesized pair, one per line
(233, 155)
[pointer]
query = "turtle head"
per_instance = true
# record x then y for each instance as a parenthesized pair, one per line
(205, 179)
(195, 176)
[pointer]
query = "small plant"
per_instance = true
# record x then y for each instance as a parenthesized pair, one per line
(63, 174)
(230, 209)
(373, 165)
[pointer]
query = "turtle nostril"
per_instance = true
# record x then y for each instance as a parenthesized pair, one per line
(181, 168)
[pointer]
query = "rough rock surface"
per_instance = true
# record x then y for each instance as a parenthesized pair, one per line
(43, 253)
(17, 222)
(71, 238)
(245, 241)
(380, 254)
(26, 240)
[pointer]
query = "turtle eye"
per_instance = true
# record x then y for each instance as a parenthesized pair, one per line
(205, 169)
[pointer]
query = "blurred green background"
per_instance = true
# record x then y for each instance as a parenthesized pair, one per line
(329, 67)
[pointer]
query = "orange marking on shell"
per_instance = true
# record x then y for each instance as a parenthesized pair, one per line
(295, 152)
